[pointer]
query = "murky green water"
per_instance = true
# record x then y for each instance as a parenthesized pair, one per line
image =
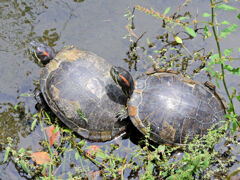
(97, 26)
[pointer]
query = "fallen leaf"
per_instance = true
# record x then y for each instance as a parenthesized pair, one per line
(94, 175)
(92, 150)
(52, 137)
(40, 157)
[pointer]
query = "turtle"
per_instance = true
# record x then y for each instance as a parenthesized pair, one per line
(172, 107)
(78, 88)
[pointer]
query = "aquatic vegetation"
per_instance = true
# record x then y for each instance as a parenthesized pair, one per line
(203, 158)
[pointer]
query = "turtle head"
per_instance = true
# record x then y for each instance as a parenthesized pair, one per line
(124, 79)
(42, 52)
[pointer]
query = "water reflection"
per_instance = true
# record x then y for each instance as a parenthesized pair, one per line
(17, 20)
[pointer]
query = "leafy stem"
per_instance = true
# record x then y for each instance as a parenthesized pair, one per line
(220, 56)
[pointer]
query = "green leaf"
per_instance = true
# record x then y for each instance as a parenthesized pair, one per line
(6, 154)
(24, 166)
(206, 32)
(228, 30)
(35, 115)
(48, 117)
(230, 108)
(214, 56)
(238, 98)
(227, 52)
(167, 10)
(81, 114)
(190, 31)
(21, 150)
(56, 130)
(206, 14)
(81, 143)
(101, 154)
(26, 94)
(161, 148)
(234, 124)
(226, 7)
(238, 16)
(16, 106)
(239, 49)
(182, 18)
(150, 166)
(225, 22)
(77, 156)
(67, 130)
(232, 70)
(178, 40)
(217, 83)
(33, 124)
(44, 168)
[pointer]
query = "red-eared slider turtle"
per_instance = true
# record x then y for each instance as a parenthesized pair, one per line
(174, 106)
(78, 88)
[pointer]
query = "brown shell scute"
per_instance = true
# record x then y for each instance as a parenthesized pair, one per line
(78, 79)
(175, 107)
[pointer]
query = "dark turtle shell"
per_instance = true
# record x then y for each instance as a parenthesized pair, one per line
(174, 106)
(78, 81)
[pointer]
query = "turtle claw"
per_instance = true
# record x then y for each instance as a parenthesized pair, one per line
(121, 115)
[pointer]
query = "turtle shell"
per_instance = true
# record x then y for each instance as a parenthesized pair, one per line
(175, 107)
(78, 88)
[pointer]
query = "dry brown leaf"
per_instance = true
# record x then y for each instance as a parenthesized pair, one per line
(52, 137)
(40, 157)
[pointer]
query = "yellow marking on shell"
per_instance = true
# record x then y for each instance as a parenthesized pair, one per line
(106, 135)
(222, 100)
(70, 53)
(53, 65)
(167, 132)
(71, 107)
(56, 92)
(137, 91)
(94, 134)
(83, 132)
(132, 111)
(210, 86)
(100, 136)
(75, 104)
(138, 123)
(144, 120)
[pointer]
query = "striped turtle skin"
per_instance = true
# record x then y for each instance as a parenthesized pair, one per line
(78, 88)
(174, 107)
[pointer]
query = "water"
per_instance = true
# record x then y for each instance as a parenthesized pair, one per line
(97, 26)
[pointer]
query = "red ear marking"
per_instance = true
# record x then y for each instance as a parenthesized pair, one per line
(125, 80)
(45, 53)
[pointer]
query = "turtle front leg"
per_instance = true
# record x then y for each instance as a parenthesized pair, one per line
(122, 114)
(41, 103)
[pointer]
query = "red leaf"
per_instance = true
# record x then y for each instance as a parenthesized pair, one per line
(94, 175)
(92, 149)
(40, 157)
(52, 137)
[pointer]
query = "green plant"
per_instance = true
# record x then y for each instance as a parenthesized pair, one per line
(191, 160)
(222, 57)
